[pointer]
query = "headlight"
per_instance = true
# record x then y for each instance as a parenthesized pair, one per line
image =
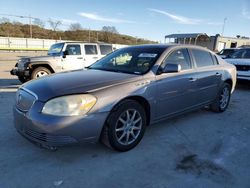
(71, 105)
(21, 63)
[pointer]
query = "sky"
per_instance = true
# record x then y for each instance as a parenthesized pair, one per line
(149, 19)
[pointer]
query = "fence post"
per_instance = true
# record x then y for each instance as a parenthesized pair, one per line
(8, 42)
(27, 43)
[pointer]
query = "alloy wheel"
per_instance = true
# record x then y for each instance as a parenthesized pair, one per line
(41, 74)
(128, 126)
(224, 98)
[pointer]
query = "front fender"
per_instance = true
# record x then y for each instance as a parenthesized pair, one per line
(41, 63)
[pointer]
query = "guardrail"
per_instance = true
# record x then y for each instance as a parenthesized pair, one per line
(30, 44)
(13, 43)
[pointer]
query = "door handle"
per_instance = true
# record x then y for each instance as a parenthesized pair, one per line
(218, 74)
(95, 57)
(192, 79)
(80, 58)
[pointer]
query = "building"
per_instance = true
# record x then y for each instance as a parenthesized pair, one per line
(214, 43)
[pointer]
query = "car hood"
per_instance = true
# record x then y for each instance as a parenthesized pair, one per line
(75, 82)
(43, 58)
(238, 61)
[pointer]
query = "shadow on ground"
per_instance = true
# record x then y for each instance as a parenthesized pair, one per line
(243, 84)
(9, 83)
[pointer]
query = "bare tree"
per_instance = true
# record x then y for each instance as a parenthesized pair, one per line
(75, 27)
(54, 24)
(39, 22)
(4, 20)
(108, 31)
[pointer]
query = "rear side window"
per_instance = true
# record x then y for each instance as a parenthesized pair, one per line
(202, 58)
(105, 49)
(73, 49)
(180, 57)
(90, 49)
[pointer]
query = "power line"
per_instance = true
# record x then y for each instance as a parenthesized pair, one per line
(21, 16)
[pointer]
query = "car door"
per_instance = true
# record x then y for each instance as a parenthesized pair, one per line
(73, 58)
(175, 91)
(208, 75)
(91, 54)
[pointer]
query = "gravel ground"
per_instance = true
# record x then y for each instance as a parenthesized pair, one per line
(200, 149)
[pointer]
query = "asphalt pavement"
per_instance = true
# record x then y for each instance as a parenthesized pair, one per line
(200, 149)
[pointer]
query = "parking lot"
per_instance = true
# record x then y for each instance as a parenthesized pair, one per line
(198, 149)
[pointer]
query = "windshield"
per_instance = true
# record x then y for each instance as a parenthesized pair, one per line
(227, 52)
(242, 53)
(56, 49)
(137, 60)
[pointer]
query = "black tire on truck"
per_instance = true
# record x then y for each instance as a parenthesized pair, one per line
(40, 72)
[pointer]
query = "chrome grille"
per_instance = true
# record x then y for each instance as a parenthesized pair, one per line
(48, 138)
(24, 99)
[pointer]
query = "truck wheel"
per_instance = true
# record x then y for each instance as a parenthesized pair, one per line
(40, 72)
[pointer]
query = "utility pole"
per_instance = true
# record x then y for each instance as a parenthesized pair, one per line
(89, 34)
(30, 26)
(20, 16)
(223, 27)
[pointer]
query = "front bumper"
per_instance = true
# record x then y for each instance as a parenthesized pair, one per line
(18, 72)
(53, 131)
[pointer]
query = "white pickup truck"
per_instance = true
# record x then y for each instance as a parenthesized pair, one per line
(62, 56)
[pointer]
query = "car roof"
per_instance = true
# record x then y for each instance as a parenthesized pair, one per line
(165, 46)
(77, 42)
(244, 49)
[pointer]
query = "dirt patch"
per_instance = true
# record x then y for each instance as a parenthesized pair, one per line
(204, 168)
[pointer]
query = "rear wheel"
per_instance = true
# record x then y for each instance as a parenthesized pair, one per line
(223, 98)
(125, 126)
(40, 72)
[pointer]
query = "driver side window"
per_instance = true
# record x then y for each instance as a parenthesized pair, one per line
(180, 57)
(73, 49)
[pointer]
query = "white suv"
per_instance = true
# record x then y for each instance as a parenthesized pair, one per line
(241, 59)
(63, 56)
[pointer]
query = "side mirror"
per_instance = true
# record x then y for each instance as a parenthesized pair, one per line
(171, 68)
(65, 53)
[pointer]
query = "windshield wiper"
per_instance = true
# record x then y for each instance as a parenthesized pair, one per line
(114, 70)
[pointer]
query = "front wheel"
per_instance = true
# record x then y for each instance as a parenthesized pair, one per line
(125, 126)
(222, 100)
(40, 72)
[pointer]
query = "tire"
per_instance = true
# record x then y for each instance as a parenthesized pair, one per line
(40, 72)
(222, 100)
(125, 126)
(22, 79)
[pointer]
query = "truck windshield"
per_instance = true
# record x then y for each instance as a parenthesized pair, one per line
(56, 49)
(239, 54)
